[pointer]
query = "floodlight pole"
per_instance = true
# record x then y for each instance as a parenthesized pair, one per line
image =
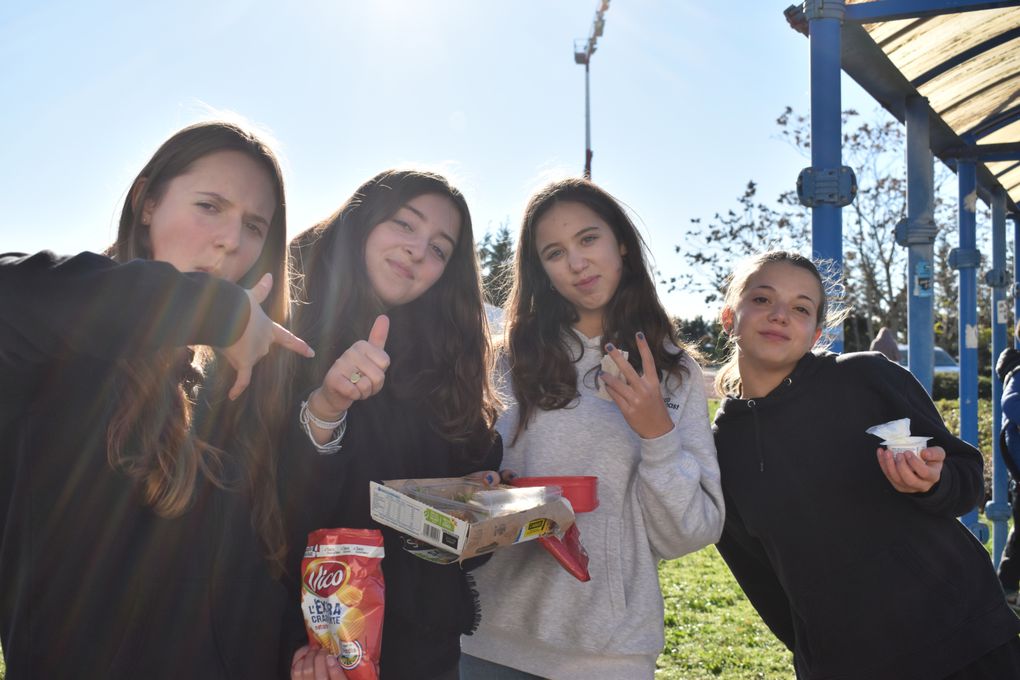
(587, 121)
(582, 55)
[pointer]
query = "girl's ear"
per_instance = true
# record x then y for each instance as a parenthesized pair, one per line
(726, 318)
(818, 334)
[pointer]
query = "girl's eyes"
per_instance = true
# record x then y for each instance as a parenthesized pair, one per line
(255, 228)
(588, 239)
(439, 252)
(403, 225)
(553, 254)
(206, 206)
(760, 299)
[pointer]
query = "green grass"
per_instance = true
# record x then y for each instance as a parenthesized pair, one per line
(712, 632)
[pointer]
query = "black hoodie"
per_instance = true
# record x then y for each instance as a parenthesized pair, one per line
(857, 579)
(94, 584)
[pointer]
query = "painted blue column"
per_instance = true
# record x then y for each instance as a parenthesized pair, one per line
(825, 19)
(1016, 266)
(966, 259)
(997, 510)
(917, 233)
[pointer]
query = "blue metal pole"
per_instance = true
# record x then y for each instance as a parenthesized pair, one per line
(919, 237)
(997, 510)
(825, 32)
(966, 259)
(1016, 266)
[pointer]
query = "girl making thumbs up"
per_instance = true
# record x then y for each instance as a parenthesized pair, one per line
(392, 304)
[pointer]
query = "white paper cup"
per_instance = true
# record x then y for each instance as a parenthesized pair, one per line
(913, 444)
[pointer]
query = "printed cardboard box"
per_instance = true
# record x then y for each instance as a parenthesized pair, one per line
(439, 536)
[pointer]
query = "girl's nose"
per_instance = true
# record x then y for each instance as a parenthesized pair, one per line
(576, 262)
(229, 236)
(778, 314)
(416, 248)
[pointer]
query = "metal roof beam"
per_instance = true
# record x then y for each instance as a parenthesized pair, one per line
(1008, 151)
(966, 55)
(1008, 169)
(868, 65)
(994, 122)
(890, 10)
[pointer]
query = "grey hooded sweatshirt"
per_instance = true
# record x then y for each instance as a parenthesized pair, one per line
(659, 499)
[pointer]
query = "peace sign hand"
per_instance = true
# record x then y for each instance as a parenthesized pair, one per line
(358, 374)
(638, 396)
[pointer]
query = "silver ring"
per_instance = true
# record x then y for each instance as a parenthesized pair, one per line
(355, 377)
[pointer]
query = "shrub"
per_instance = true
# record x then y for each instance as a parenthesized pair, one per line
(947, 386)
(950, 410)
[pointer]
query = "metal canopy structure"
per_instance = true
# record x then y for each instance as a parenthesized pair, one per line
(967, 65)
(950, 71)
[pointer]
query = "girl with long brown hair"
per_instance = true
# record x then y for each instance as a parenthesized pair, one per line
(582, 296)
(392, 303)
(138, 479)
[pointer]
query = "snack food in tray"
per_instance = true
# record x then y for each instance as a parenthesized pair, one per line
(472, 501)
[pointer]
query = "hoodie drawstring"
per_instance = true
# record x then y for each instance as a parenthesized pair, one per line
(752, 405)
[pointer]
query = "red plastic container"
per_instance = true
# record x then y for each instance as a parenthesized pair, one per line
(581, 491)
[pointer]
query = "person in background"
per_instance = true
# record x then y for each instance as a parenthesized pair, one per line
(1009, 447)
(582, 296)
(141, 527)
(885, 342)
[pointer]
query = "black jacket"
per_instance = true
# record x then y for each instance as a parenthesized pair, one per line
(428, 606)
(860, 581)
(93, 584)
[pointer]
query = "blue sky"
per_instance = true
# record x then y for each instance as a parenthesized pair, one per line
(684, 96)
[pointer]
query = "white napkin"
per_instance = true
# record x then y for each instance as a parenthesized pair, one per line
(896, 436)
(609, 366)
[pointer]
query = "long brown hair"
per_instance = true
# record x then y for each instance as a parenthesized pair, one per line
(152, 436)
(438, 343)
(542, 363)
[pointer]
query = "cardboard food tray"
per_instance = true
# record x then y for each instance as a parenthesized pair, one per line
(450, 539)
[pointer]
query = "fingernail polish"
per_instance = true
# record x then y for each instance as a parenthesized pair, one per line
(609, 347)
(640, 335)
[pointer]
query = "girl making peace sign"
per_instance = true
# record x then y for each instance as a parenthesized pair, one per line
(582, 291)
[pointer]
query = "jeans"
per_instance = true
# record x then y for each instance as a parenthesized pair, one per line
(473, 668)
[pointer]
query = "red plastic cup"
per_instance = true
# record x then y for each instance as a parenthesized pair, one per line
(581, 491)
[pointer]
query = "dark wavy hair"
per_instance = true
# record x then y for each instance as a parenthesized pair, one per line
(541, 360)
(438, 344)
(153, 437)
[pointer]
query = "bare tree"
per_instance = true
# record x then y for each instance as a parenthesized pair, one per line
(496, 258)
(874, 265)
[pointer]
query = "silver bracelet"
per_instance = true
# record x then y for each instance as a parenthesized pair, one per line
(339, 428)
(306, 416)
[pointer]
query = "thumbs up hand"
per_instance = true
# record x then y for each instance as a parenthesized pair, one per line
(358, 374)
